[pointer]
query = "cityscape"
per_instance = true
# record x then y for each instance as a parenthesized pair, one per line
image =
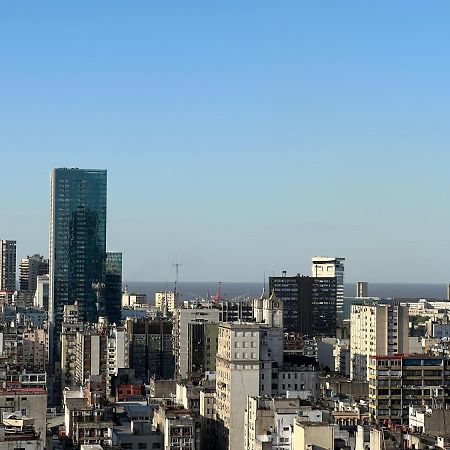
(86, 363)
(224, 225)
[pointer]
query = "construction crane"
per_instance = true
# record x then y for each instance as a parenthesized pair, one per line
(218, 296)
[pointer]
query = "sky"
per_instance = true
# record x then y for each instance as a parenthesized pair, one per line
(240, 137)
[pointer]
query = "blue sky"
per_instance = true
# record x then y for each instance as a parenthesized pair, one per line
(239, 137)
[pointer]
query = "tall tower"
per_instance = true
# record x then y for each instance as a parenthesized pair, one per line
(325, 266)
(77, 242)
(7, 265)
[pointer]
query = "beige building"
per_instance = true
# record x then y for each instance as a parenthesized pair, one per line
(165, 301)
(35, 349)
(312, 435)
(376, 330)
(246, 356)
(399, 381)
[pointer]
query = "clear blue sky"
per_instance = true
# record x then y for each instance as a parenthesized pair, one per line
(239, 136)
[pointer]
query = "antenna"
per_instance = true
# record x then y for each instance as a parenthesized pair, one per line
(264, 282)
(175, 290)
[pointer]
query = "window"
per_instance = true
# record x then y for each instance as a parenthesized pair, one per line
(142, 445)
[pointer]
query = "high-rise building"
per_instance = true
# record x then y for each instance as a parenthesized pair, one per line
(113, 286)
(309, 303)
(7, 265)
(376, 330)
(77, 241)
(29, 269)
(246, 356)
(184, 332)
(362, 289)
(325, 266)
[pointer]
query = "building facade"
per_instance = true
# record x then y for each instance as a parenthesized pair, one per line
(29, 269)
(309, 303)
(113, 287)
(7, 265)
(77, 241)
(397, 382)
(376, 330)
(324, 267)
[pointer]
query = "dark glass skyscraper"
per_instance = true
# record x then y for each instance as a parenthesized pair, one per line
(113, 286)
(309, 303)
(77, 241)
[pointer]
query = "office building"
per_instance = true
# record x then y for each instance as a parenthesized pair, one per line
(376, 330)
(113, 287)
(151, 348)
(309, 303)
(235, 310)
(397, 382)
(41, 294)
(183, 335)
(77, 241)
(362, 289)
(7, 265)
(324, 267)
(29, 270)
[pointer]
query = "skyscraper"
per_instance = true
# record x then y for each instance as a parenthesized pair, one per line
(325, 266)
(7, 265)
(77, 241)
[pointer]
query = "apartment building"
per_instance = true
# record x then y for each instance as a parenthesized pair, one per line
(376, 330)
(397, 382)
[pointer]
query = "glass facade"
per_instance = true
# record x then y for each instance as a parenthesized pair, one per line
(77, 241)
(113, 286)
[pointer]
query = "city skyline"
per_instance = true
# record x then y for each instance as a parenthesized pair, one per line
(236, 133)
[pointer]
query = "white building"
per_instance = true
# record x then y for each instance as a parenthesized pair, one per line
(376, 330)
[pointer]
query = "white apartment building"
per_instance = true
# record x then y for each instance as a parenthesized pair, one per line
(376, 330)
(326, 266)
